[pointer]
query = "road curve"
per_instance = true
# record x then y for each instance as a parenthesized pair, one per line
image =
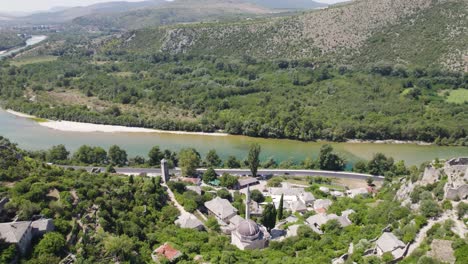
(246, 172)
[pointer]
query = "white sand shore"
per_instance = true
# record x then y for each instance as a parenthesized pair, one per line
(19, 114)
(70, 126)
(389, 141)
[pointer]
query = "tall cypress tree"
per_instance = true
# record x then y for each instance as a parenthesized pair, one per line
(280, 208)
(269, 217)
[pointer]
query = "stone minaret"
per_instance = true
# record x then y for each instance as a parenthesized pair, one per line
(165, 171)
(247, 204)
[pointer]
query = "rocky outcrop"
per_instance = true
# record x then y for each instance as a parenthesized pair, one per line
(456, 171)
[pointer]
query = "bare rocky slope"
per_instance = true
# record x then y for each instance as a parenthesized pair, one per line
(339, 32)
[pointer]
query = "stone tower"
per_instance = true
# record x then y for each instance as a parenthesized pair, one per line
(165, 171)
(247, 204)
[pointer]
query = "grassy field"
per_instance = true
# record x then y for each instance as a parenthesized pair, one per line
(31, 60)
(458, 96)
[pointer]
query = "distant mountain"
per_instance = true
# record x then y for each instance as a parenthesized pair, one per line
(179, 11)
(133, 15)
(62, 14)
(288, 4)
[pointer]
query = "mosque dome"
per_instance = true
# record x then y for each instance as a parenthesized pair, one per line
(248, 229)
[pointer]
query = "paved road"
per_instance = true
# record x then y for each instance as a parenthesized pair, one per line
(245, 172)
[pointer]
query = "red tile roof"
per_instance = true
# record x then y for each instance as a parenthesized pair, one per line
(168, 252)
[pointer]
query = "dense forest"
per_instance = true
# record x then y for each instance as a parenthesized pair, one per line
(104, 218)
(296, 99)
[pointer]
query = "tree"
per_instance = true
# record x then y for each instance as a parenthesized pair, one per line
(57, 154)
(51, 243)
(360, 167)
(209, 175)
(380, 164)
(430, 208)
(257, 196)
(224, 194)
(254, 158)
(189, 160)
(229, 181)
(233, 163)
(155, 156)
(119, 247)
(117, 155)
(99, 156)
(212, 159)
(270, 163)
(387, 257)
(268, 218)
(212, 224)
(462, 209)
(329, 160)
(110, 169)
(280, 208)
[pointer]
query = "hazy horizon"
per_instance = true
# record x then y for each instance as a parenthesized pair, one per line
(28, 6)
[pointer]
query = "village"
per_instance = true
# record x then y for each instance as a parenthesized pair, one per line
(297, 203)
(255, 211)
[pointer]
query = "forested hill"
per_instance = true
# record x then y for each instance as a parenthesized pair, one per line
(339, 33)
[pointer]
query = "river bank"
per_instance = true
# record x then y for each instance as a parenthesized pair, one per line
(389, 141)
(31, 135)
(33, 40)
(70, 126)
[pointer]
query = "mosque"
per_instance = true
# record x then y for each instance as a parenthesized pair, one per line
(248, 234)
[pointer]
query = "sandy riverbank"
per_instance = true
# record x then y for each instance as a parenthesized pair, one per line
(389, 141)
(69, 126)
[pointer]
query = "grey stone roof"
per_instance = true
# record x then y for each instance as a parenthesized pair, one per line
(298, 206)
(13, 232)
(355, 192)
(188, 221)
(389, 242)
(317, 220)
(292, 230)
(322, 203)
(43, 225)
(307, 197)
(236, 220)
(247, 181)
(222, 208)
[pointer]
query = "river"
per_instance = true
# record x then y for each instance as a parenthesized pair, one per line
(31, 136)
(33, 40)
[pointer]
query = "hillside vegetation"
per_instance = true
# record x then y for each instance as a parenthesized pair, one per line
(339, 34)
(9, 40)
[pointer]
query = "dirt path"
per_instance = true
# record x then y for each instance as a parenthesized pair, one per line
(458, 228)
